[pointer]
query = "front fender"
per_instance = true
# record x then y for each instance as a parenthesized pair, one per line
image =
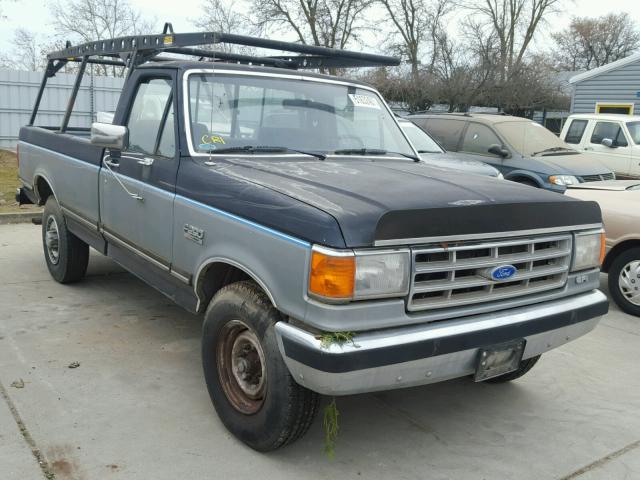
(539, 180)
(276, 261)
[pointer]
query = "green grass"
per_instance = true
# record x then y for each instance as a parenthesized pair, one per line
(8, 184)
(339, 338)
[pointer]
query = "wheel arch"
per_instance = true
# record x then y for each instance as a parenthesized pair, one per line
(217, 272)
(517, 175)
(617, 250)
(43, 188)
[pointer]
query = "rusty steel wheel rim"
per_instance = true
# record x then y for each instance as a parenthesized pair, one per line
(241, 367)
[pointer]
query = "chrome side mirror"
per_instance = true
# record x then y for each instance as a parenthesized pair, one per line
(607, 142)
(106, 135)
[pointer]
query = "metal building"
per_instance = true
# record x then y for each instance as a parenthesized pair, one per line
(611, 88)
(18, 91)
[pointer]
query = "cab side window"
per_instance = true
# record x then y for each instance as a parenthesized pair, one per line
(610, 130)
(151, 119)
(446, 132)
(575, 131)
(478, 139)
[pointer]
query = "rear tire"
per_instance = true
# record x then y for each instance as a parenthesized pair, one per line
(525, 366)
(624, 281)
(66, 255)
(250, 386)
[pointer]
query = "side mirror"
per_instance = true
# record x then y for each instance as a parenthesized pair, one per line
(499, 151)
(106, 135)
(607, 142)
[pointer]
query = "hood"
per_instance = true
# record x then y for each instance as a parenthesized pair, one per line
(383, 199)
(578, 164)
(450, 161)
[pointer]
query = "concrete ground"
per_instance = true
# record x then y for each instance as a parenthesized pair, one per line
(136, 407)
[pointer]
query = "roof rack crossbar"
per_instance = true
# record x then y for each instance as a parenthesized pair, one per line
(233, 57)
(311, 56)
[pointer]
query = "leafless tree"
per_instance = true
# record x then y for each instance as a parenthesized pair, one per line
(327, 23)
(29, 51)
(227, 17)
(461, 75)
(508, 27)
(89, 20)
(592, 42)
(26, 53)
(416, 24)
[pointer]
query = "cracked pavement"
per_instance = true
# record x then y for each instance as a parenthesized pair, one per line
(136, 407)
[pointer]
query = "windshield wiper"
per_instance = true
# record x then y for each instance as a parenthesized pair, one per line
(552, 149)
(428, 151)
(372, 151)
(266, 149)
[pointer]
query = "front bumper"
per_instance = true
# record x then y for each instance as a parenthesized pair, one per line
(433, 352)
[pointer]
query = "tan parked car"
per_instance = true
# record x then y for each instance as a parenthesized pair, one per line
(620, 204)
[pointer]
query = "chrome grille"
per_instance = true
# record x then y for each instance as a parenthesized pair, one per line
(597, 178)
(456, 275)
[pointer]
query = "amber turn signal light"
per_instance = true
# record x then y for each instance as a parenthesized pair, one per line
(603, 247)
(332, 276)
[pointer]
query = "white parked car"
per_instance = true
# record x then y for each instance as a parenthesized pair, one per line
(613, 138)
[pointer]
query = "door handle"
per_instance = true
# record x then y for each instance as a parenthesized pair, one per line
(145, 162)
(110, 164)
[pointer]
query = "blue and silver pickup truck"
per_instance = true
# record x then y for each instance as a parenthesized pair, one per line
(290, 209)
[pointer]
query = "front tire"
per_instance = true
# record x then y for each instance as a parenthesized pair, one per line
(624, 281)
(525, 366)
(249, 384)
(66, 255)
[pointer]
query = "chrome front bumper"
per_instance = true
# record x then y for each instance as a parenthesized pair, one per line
(429, 353)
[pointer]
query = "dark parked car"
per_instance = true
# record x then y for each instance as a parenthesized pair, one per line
(524, 151)
(433, 154)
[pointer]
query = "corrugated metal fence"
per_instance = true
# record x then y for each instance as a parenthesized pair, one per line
(18, 91)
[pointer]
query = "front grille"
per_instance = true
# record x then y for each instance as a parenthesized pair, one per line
(458, 275)
(597, 178)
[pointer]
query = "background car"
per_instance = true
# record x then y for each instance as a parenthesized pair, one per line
(614, 139)
(620, 204)
(524, 151)
(433, 154)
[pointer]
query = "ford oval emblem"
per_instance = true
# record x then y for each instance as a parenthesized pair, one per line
(503, 272)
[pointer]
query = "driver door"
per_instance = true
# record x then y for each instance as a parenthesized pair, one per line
(138, 185)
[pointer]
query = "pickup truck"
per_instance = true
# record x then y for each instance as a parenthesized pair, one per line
(613, 139)
(289, 209)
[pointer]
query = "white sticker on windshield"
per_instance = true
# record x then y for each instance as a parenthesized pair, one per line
(364, 101)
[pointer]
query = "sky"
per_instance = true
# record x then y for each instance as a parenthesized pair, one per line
(34, 15)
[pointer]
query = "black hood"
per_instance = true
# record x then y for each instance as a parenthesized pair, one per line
(385, 199)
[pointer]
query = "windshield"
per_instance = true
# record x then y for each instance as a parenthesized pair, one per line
(420, 139)
(528, 137)
(634, 131)
(228, 111)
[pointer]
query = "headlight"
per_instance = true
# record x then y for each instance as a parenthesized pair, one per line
(346, 275)
(500, 176)
(381, 274)
(589, 249)
(563, 180)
